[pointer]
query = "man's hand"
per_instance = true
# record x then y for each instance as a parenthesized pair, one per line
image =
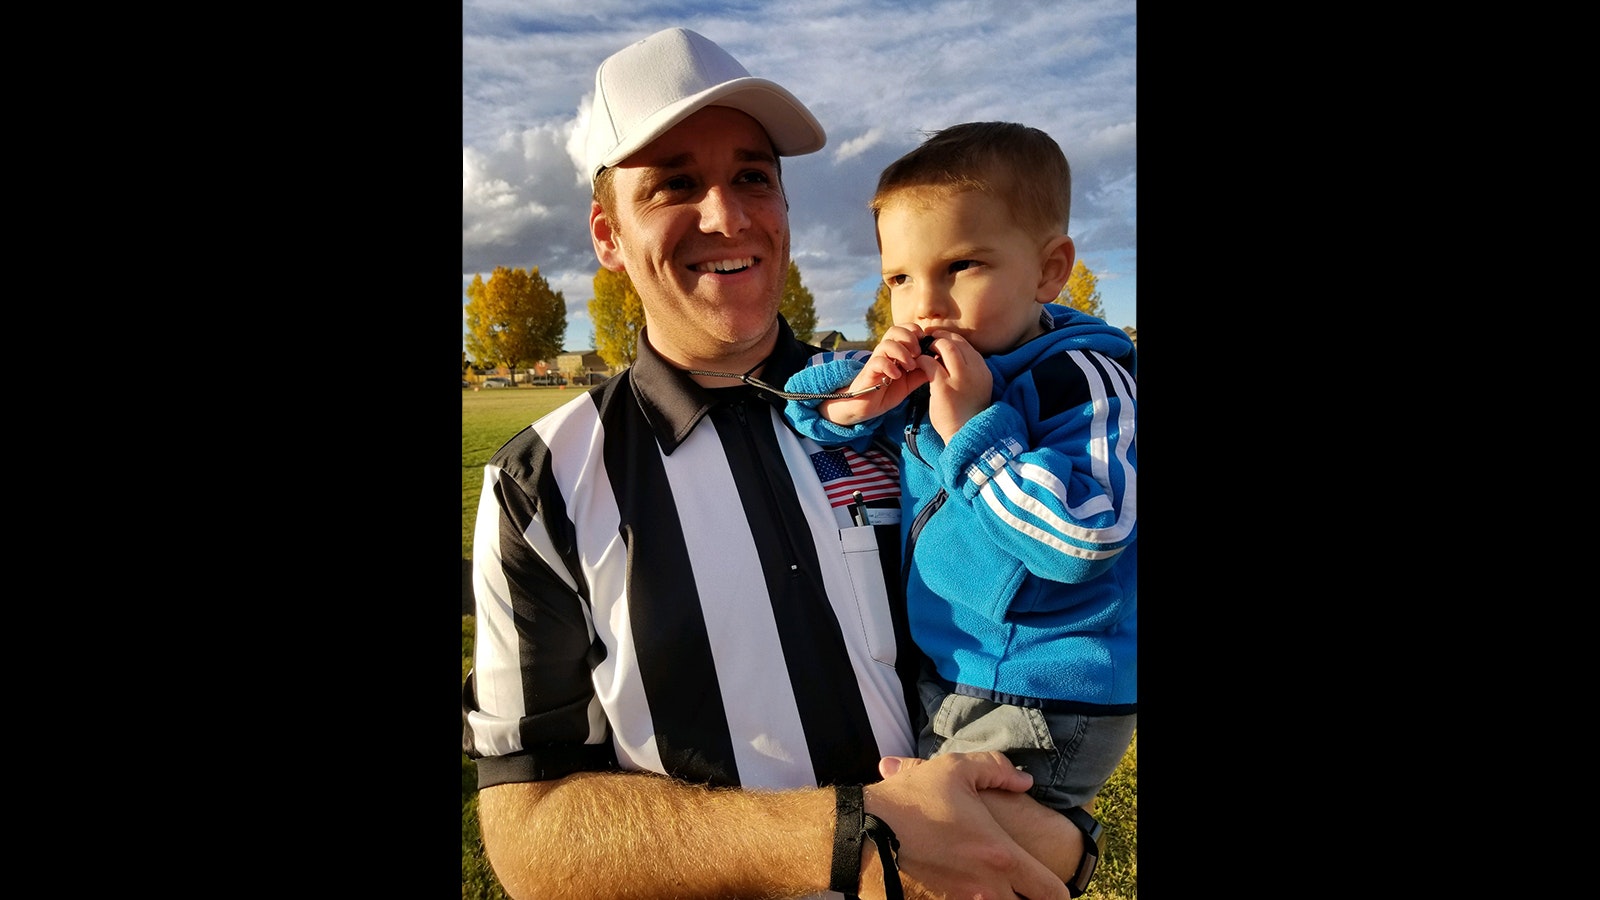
(953, 842)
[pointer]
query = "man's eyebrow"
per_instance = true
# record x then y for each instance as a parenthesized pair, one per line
(765, 156)
(686, 158)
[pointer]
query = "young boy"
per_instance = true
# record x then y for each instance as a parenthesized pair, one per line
(1018, 466)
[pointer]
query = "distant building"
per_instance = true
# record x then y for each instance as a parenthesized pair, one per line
(834, 340)
(537, 373)
(583, 367)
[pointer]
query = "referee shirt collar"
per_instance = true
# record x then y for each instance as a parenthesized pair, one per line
(673, 403)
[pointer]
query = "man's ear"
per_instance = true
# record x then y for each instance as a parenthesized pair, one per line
(607, 244)
(1055, 267)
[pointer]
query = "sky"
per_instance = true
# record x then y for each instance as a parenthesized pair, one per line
(878, 75)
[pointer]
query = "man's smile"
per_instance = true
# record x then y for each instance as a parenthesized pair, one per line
(724, 266)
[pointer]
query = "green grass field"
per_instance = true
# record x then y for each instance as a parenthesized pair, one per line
(491, 417)
(488, 419)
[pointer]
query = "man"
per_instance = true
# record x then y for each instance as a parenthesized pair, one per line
(689, 658)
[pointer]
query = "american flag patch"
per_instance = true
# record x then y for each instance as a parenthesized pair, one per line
(843, 471)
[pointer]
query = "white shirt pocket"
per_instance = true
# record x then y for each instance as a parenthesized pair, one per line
(872, 600)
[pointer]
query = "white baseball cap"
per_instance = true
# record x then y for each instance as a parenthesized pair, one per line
(643, 90)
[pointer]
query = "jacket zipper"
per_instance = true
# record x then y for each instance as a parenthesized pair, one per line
(914, 412)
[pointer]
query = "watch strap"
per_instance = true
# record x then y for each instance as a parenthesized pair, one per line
(1093, 847)
(888, 855)
(848, 831)
(852, 828)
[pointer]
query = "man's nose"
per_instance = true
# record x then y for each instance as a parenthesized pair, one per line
(722, 212)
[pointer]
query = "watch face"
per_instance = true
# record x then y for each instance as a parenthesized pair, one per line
(1080, 878)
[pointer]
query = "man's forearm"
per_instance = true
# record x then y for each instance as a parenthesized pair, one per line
(639, 836)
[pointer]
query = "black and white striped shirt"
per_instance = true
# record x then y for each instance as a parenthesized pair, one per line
(662, 584)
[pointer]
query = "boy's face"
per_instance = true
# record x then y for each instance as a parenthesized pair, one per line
(957, 261)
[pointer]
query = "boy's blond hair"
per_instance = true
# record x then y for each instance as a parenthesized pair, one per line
(1020, 165)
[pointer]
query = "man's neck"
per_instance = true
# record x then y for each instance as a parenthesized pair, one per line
(734, 362)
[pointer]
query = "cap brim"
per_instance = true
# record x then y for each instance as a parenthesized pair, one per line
(793, 129)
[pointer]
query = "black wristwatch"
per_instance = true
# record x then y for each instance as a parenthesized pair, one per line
(1094, 847)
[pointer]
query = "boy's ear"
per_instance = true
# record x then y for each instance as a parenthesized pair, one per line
(1055, 267)
(607, 244)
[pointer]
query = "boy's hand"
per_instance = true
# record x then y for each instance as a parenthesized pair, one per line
(897, 363)
(961, 383)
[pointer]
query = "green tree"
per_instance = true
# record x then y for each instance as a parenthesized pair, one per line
(880, 315)
(618, 314)
(1080, 291)
(798, 306)
(514, 319)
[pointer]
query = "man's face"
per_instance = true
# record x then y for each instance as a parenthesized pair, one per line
(701, 226)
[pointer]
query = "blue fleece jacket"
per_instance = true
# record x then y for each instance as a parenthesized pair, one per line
(1022, 583)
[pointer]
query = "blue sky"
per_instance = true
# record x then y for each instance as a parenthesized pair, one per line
(876, 74)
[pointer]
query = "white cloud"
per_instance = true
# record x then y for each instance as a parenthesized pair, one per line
(857, 146)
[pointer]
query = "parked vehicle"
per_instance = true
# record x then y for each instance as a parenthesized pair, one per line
(496, 382)
(551, 379)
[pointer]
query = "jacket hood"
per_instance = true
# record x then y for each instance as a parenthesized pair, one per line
(1069, 329)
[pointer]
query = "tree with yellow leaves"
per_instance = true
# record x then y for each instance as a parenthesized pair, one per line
(880, 315)
(798, 307)
(1080, 291)
(514, 319)
(618, 315)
